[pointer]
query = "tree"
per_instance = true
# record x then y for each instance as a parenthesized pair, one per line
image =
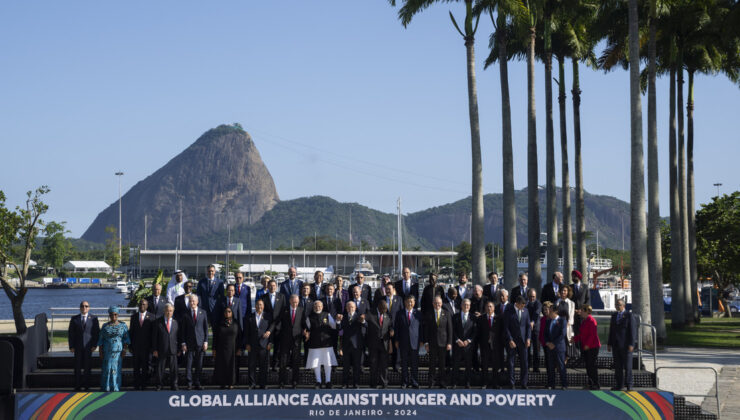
(551, 209)
(111, 247)
(638, 233)
(55, 246)
(405, 14)
(18, 232)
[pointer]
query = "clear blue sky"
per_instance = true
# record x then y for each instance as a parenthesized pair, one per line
(340, 99)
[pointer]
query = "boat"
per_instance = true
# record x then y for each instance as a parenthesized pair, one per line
(122, 287)
(596, 265)
(364, 267)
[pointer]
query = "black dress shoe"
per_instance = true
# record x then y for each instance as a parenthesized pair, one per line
(629, 388)
(175, 388)
(316, 386)
(467, 386)
(198, 387)
(616, 388)
(525, 387)
(221, 387)
(190, 387)
(295, 385)
(345, 386)
(263, 387)
(87, 388)
(355, 387)
(282, 386)
(535, 370)
(158, 388)
(78, 388)
(415, 385)
(403, 386)
(328, 385)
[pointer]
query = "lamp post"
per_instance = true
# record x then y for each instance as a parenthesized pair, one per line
(119, 174)
(718, 184)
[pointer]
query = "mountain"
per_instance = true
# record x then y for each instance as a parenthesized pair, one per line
(221, 180)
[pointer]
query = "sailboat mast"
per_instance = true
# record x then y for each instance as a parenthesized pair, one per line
(400, 241)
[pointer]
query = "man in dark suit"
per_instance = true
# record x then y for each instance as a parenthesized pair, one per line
(140, 333)
(431, 291)
(478, 301)
(464, 291)
(378, 339)
(622, 337)
(489, 342)
(463, 349)
(292, 326)
(274, 304)
(194, 340)
(521, 289)
(489, 290)
(229, 301)
(517, 331)
(502, 306)
(408, 329)
(452, 302)
(550, 291)
(210, 290)
(438, 342)
(182, 302)
(555, 336)
(258, 339)
(534, 307)
(82, 337)
(406, 287)
(157, 301)
(361, 304)
(318, 288)
(393, 302)
(291, 285)
(332, 304)
(381, 291)
(581, 296)
(340, 292)
(365, 291)
(305, 300)
(353, 326)
(165, 347)
(244, 294)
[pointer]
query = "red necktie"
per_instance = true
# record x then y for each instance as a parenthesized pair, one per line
(195, 316)
(141, 320)
(229, 302)
(292, 316)
(168, 325)
(409, 317)
(490, 321)
(381, 320)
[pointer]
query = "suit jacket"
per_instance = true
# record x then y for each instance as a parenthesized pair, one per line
(353, 332)
(464, 292)
(582, 296)
(181, 306)
(478, 305)
(334, 308)
(500, 310)
(428, 295)
(209, 294)
(548, 293)
(413, 290)
(452, 307)
(517, 330)
(141, 335)
(254, 332)
(517, 291)
(378, 295)
(236, 310)
(556, 333)
(622, 331)
(245, 297)
(366, 293)
(321, 291)
(408, 335)
(464, 331)
(194, 333)
(83, 337)
(163, 342)
(535, 310)
(439, 334)
(158, 309)
(491, 295)
(286, 289)
(280, 304)
(342, 295)
(395, 305)
(489, 333)
(291, 331)
(306, 303)
(378, 335)
(362, 308)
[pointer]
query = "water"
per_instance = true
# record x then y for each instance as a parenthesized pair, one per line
(40, 300)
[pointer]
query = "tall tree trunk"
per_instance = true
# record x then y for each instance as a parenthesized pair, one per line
(683, 211)
(16, 295)
(551, 207)
(479, 252)
(533, 207)
(690, 196)
(638, 228)
(582, 258)
(678, 307)
(655, 256)
(567, 233)
(507, 157)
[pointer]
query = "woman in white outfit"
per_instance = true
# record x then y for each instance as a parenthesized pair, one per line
(320, 347)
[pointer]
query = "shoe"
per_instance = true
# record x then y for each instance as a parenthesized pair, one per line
(282, 386)
(87, 388)
(316, 386)
(485, 387)
(629, 388)
(616, 388)
(263, 387)
(596, 387)
(563, 388)
(524, 387)
(355, 387)
(231, 387)
(328, 385)
(467, 385)
(158, 388)
(251, 386)
(404, 386)
(415, 385)
(198, 387)
(190, 388)
(295, 385)
(345, 386)
(175, 388)
(78, 388)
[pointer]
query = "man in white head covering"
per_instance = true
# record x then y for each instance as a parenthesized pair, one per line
(176, 285)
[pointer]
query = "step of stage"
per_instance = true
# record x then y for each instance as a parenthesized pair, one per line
(685, 410)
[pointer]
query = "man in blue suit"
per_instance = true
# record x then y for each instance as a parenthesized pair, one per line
(244, 294)
(291, 285)
(555, 335)
(210, 291)
(409, 336)
(517, 333)
(194, 339)
(82, 337)
(622, 337)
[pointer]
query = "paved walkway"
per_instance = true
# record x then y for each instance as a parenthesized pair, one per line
(729, 391)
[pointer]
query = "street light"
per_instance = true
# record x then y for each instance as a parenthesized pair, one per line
(719, 184)
(119, 174)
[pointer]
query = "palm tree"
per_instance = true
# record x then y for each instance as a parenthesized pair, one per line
(550, 193)
(405, 14)
(678, 302)
(638, 228)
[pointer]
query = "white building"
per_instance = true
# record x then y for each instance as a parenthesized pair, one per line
(87, 267)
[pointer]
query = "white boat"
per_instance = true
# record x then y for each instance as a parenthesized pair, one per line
(121, 287)
(594, 264)
(363, 266)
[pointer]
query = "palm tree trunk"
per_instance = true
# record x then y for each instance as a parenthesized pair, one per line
(478, 243)
(582, 260)
(684, 221)
(655, 255)
(533, 207)
(690, 195)
(638, 228)
(678, 314)
(507, 157)
(551, 206)
(567, 233)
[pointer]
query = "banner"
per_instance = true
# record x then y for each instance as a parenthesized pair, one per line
(341, 404)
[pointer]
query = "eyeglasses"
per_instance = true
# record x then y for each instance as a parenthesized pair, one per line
(84, 306)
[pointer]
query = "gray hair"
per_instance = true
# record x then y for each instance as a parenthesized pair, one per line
(169, 305)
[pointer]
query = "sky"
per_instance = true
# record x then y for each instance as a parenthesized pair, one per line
(340, 99)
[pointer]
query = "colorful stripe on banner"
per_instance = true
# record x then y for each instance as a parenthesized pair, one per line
(45, 410)
(660, 401)
(617, 403)
(644, 405)
(84, 403)
(63, 406)
(649, 405)
(107, 399)
(28, 404)
(627, 399)
(61, 413)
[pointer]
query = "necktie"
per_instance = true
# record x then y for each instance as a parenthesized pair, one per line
(465, 318)
(381, 320)
(406, 288)
(409, 317)
(229, 302)
(195, 316)
(141, 320)
(519, 314)
(619, 316)
(156, 301)
(490, 321)
(292, 316)
(329, 301)
(272, 300)
(576, 287)
(84, 320)
(238, 290)
(318, 291)
(437, 318)
(168, 325)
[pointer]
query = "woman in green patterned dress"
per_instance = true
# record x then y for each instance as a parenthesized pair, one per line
(113, 340)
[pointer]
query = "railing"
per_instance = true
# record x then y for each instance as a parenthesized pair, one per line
(716, 382)
(70, 312)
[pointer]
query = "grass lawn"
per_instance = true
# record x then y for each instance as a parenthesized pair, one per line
(714, 332)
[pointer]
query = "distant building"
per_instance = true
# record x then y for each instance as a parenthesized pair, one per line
(87, 267)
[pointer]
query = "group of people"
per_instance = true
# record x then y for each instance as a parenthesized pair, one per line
(297, 324)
